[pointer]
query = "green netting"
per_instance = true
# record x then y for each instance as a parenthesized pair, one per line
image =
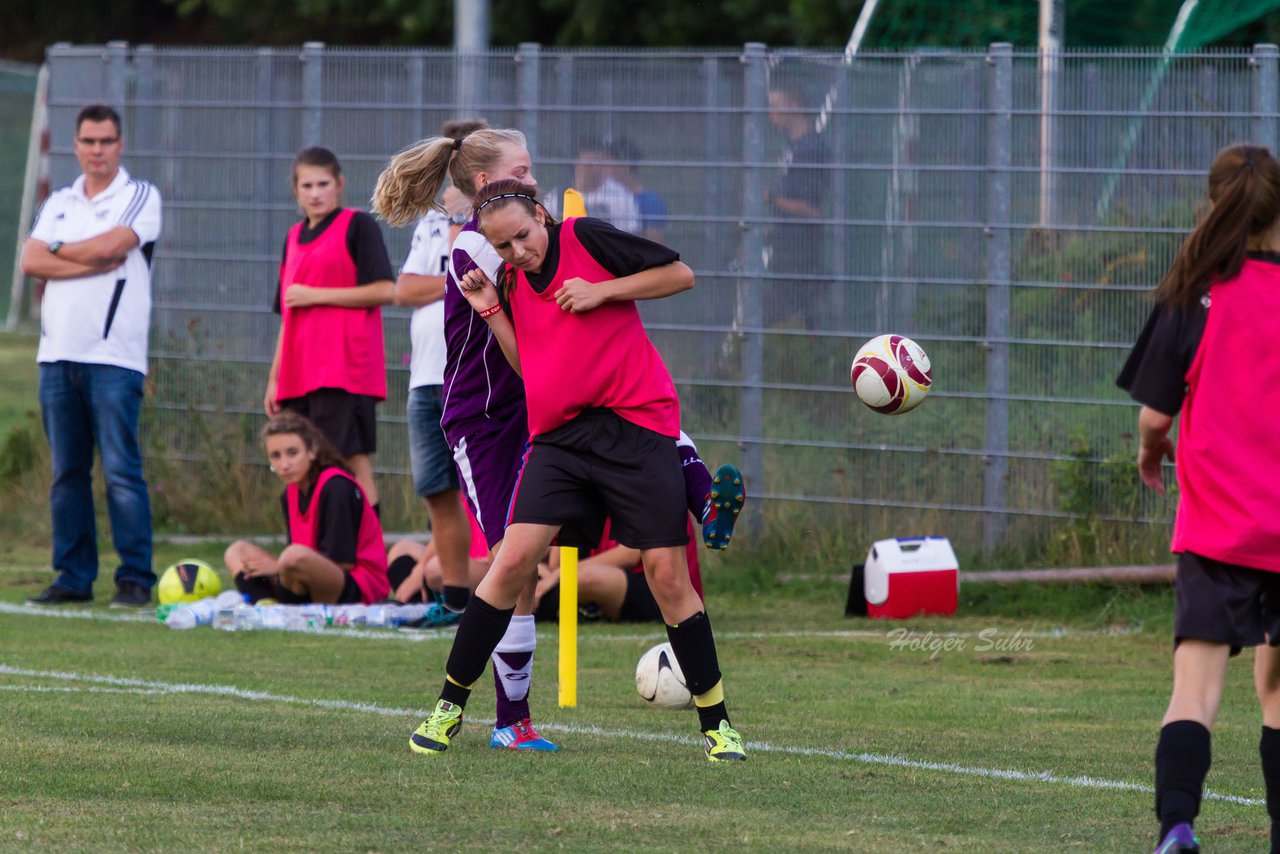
(1089, 23)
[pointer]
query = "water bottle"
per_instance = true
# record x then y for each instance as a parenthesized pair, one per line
(191, 615)
(400, 614)
(348, 615)
(225, 606)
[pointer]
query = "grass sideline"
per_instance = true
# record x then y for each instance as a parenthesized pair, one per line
(1026, 723)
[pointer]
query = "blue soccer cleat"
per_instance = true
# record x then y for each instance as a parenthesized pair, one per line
(724, 503)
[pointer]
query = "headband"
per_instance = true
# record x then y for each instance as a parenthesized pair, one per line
(525, 196)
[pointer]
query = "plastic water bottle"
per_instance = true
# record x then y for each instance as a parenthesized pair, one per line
(225, 606)
(348, 615)
(191, 615)
(399, 614)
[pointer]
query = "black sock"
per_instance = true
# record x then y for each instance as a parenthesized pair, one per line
(479, 632)
(456, 598)
(695, 649)
(1269, 750)
(1182, 763)
(255, 588)
(399, 570)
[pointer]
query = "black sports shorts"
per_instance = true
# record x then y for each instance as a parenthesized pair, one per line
(347, 420)
(1225, 603)
(600, 461)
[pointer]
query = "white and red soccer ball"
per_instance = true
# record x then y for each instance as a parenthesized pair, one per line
(891, 374)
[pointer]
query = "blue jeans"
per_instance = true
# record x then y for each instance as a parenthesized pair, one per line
(430, 457)
(81, 404)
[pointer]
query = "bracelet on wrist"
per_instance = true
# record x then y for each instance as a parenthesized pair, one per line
(492, 310)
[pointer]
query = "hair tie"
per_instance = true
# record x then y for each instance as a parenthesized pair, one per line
(1248, 161)
(457, 143)
(525, 196)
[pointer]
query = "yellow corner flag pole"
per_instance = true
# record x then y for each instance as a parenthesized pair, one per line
(573, 206)
(568, 627)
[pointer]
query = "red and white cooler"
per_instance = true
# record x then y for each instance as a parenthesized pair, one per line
(911, 575)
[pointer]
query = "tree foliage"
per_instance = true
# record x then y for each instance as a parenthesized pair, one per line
(31, 25)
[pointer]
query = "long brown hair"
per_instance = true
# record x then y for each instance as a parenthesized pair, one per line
(292, 423)
(497, 195)
(408, 187)
(1244, 189)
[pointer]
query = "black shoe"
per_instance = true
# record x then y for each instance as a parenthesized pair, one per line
(56, 595)
(130, 594)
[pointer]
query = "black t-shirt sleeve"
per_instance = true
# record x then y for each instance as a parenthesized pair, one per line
(284, 252)
(364, 242)
(338, 525)
(620, 252)
(1155, 372)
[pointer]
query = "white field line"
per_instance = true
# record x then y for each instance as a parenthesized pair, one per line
(548, 634)
(142, 686)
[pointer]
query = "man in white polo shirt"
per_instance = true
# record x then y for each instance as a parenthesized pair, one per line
(92, 243)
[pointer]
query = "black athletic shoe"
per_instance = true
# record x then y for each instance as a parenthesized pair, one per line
(56, 595)
(130, 594)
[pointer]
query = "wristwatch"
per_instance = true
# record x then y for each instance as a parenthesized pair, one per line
(55, 246)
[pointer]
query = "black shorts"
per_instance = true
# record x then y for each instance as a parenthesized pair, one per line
(347, 420)
(638, 605)
(600, 461)
(1224, 603)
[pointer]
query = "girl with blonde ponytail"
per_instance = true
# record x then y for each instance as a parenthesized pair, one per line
(1208, 354)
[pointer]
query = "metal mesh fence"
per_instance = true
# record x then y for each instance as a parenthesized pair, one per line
(1010, 214)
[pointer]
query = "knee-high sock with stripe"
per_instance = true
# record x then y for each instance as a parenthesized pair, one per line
(1269, 752)
(512, 670)
(695, 649)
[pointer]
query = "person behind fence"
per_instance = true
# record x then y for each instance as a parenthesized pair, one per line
(794, 241)
(608, 435)
(93, 242)
(335, 552)
(602, 193)
(1208, 356)
(334, 275)
(651, 206)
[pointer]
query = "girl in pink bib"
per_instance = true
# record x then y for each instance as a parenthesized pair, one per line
(1208, 356)
(335, 552)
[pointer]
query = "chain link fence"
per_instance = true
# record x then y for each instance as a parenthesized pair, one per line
(1010, 213)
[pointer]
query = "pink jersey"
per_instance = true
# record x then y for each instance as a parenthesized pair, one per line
(1229, 435)
(370, 570)
(601, 358)
(327, 346)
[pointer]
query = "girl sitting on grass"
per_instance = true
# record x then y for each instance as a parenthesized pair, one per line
(335, 552)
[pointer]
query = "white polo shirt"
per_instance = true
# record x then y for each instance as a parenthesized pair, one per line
(428, 256)
(102, 319)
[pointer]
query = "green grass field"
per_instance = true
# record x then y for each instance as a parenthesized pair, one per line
(1026, 723)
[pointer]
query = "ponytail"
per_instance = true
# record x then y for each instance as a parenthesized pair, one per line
(408, 187)
(1244, 189)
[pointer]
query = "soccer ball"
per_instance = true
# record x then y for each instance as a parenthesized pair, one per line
(660, 680)
(188, 580)
(891, 374)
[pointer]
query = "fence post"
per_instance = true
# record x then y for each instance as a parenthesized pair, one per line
(415, 70)
(999, 269)
(1266, 94)
(528, 84)
(755, 97)
(312, 92)
(117, 69)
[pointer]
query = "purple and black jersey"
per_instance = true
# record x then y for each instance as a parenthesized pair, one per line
(479, 383)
